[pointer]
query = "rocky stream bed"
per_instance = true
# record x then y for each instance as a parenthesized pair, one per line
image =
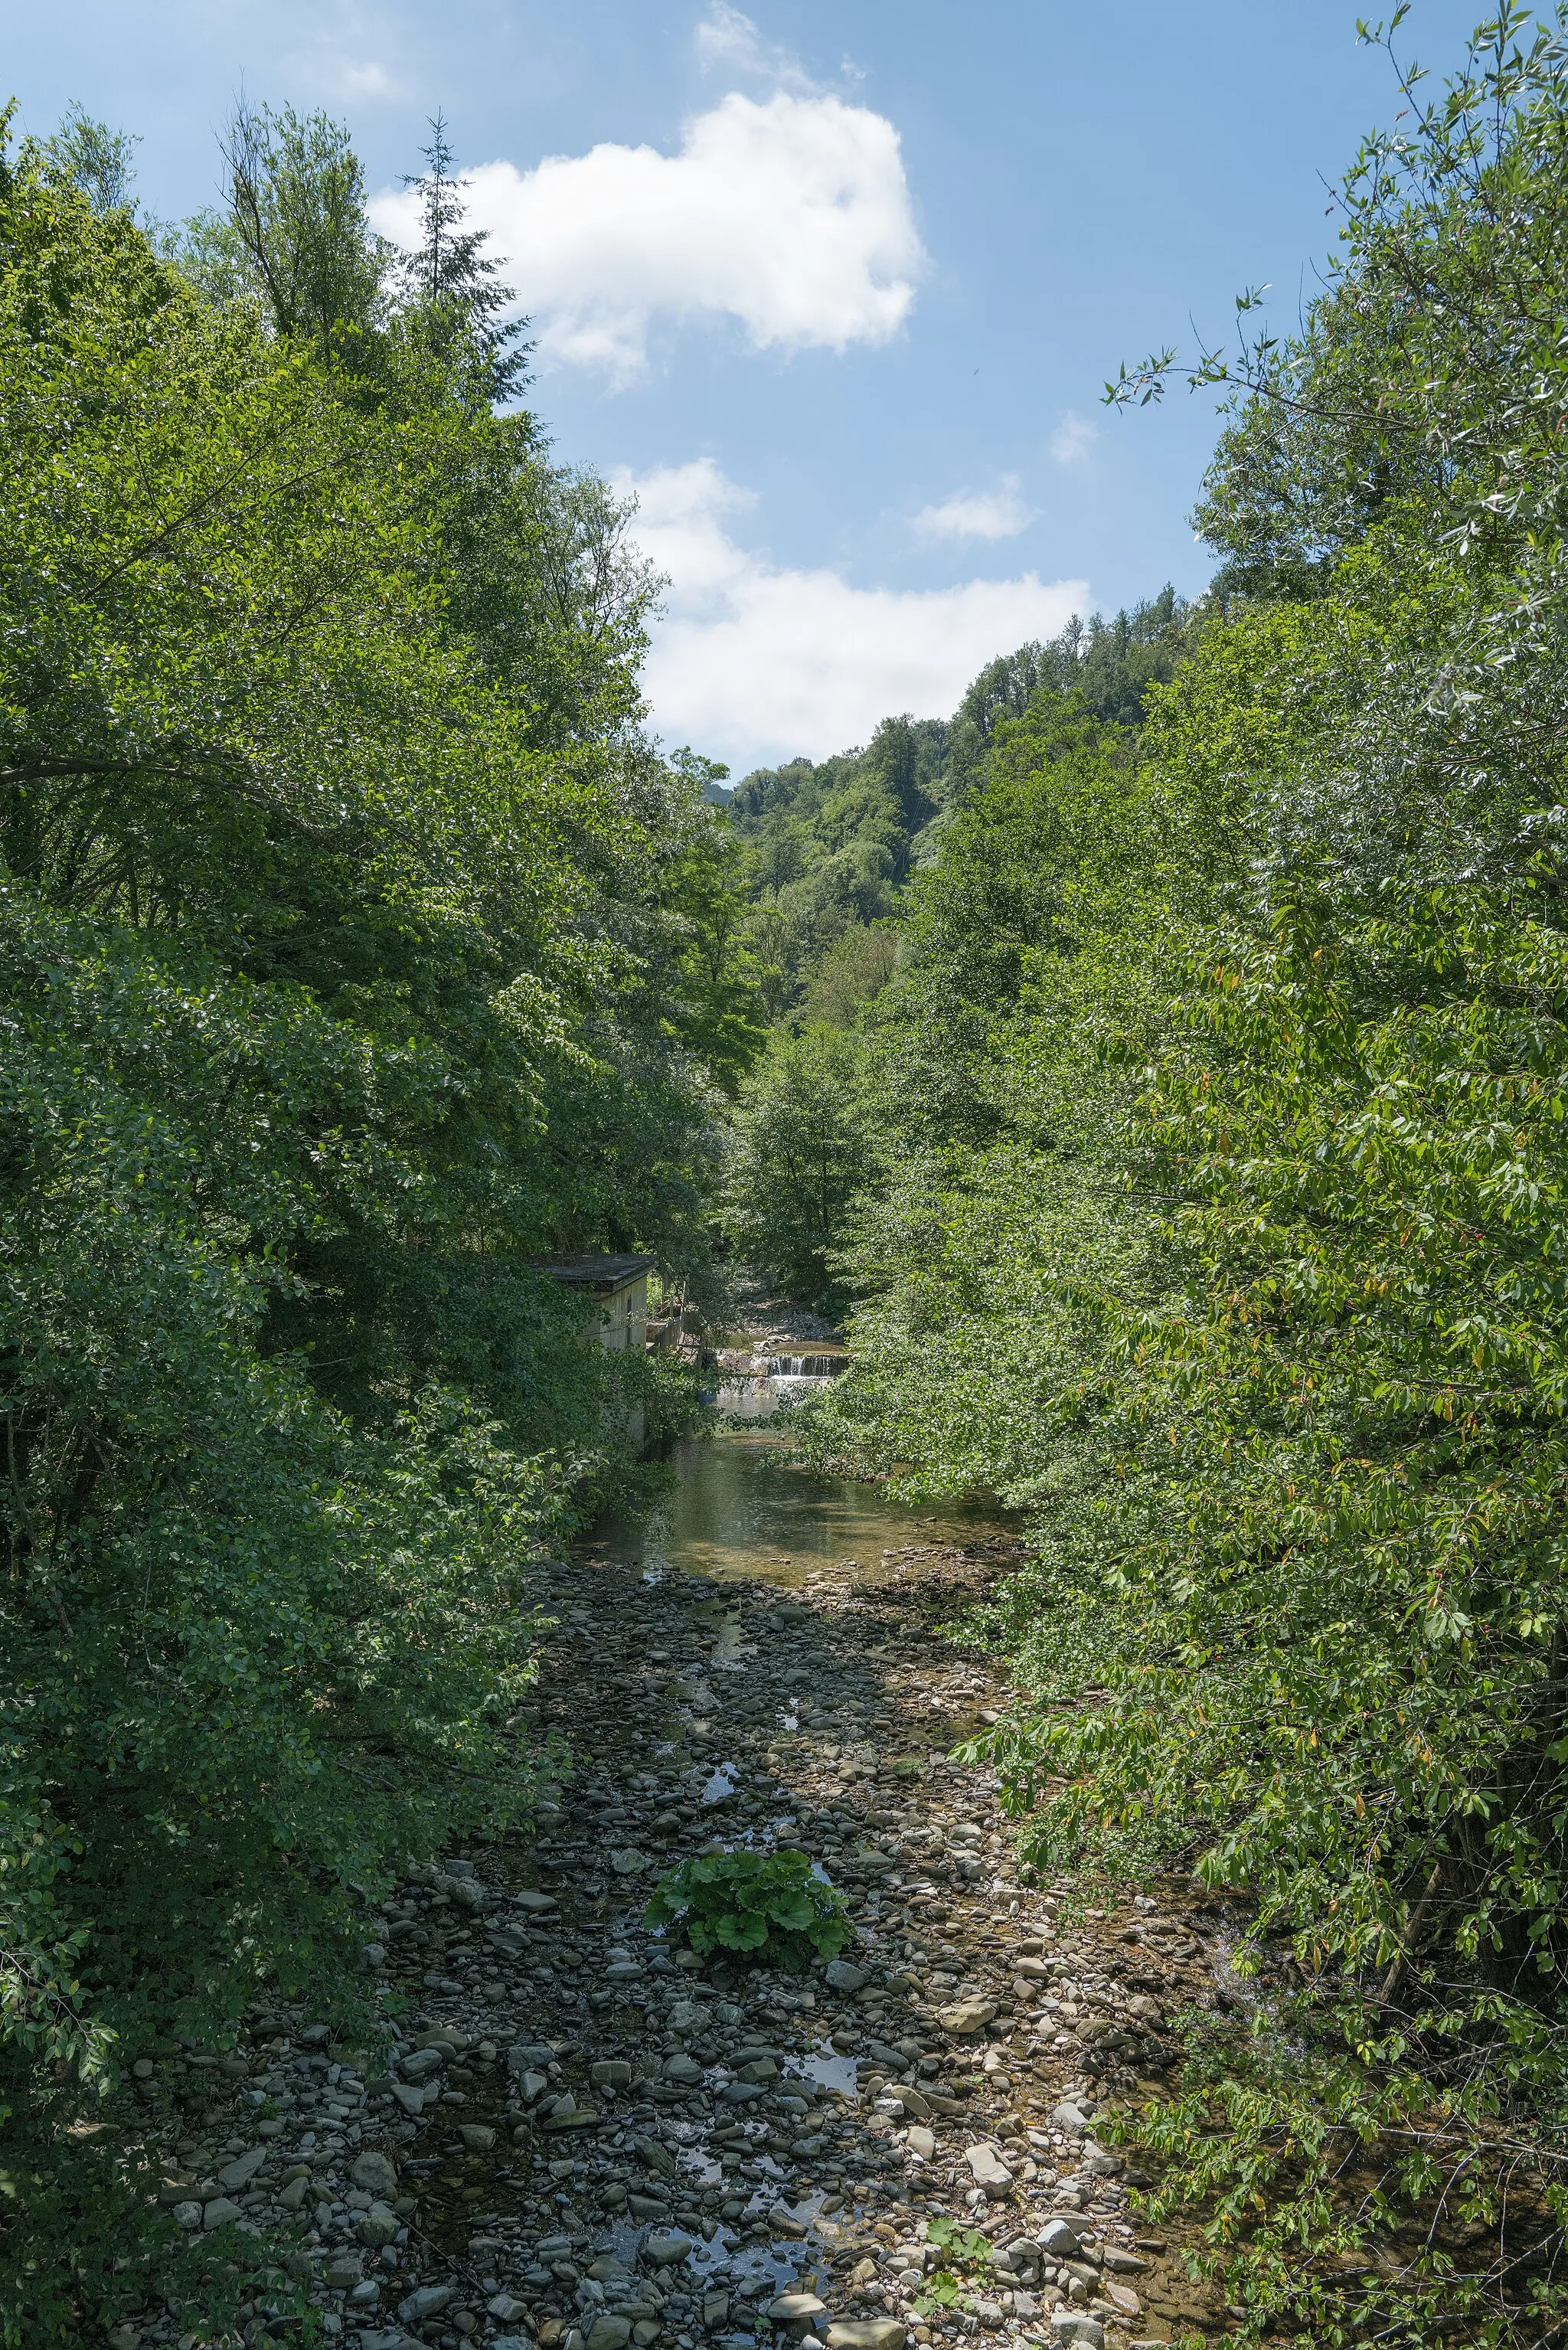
(584, 2138)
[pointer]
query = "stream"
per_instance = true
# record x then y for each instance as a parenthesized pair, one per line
(742, 1507)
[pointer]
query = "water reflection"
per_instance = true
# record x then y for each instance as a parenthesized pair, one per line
(741, 1507)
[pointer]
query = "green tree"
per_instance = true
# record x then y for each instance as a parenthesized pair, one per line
(296, 227)
(801, 1149)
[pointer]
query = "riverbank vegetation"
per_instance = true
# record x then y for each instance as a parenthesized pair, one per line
(1219, 1091)
(357, 951)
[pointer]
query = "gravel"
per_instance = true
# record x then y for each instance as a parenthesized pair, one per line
(580, 2139)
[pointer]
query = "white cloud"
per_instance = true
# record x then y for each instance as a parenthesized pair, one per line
(791, 215)
(368, 81)
(977, 514)
(728, 42)
(753, 662)
(1072, 440)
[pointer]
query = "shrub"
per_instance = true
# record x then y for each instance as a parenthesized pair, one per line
(767, 1903)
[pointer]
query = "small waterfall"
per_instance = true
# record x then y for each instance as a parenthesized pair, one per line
(803, 1367)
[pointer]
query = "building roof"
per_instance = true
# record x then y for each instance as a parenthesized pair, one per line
(599, 1272)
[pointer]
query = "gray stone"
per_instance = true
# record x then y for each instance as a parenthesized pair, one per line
(243, 2169)
(663, 2250)
(425, 2303)
(380, 2226)
(611, 2073)
(922, 2142)
(535, 1904)
(683, 2069)
(866, 2334)
(609, 2332)
(392, 2337)
(342, 2271)
(506, 2307)
(187, 2215)
(478, 2136)
(627, 1860)
(842, 1974)
(796, 2309)
(1067, 2117)
(294, 2194)
(1076, 2326)
(411, 2100)
(966, 2017)
(1060, 2241)
(623, 1970)
(220, 2212)
(375, 2174)
(782, 2221)
(988, 2170)
(685, 2015)
(420, 2062)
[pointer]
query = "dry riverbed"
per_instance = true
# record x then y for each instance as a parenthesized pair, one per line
(584, 2140)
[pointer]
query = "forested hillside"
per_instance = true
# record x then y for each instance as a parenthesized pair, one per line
(830, 845)
(1196, 1183)
(357, 952)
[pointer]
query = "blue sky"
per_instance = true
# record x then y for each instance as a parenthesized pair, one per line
(831, 288)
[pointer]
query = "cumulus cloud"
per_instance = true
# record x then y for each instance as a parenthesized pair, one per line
(978, 513)
(790, 216)
(755, 662)
(1072, 440)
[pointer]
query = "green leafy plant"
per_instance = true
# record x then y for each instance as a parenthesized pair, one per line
(769, 1903)
(966, 2257)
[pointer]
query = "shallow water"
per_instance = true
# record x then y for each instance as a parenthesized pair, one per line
(742, 1507)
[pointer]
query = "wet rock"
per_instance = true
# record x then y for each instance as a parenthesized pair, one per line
(662, 2252)
(796, 2309)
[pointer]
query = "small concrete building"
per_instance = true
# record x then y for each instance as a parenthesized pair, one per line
(618, 1286)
